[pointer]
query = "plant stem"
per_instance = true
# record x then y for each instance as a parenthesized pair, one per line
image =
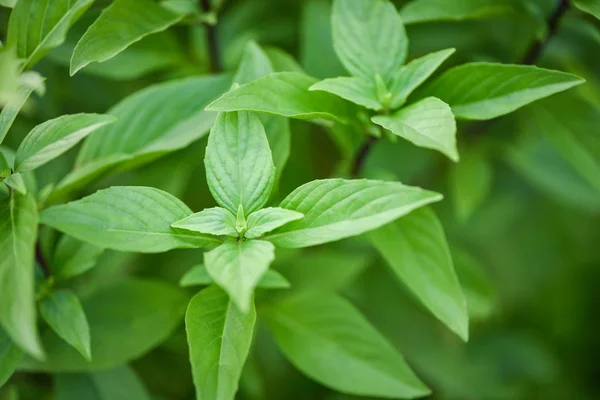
(537, 48)
(361, 156)
(39, 257)
(211, 40)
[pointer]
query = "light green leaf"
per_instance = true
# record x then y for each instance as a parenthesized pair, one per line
(346, 353)
(470, 182)
(589, 6)
(8, 3)
(113, 31)
(64, 314)
(16, 182)
(369, 38)
(335, 209)
(419, 11)
(28, 82)
(18, 233)
(120, 383)
(285, 94)
(239, 167)
(476, 285)
(147, 127)
(482, 91)
(427, 123)
(128, 219)
(413, 74)
(415, 248)
(256, 64)
(238, 266)
(219, 338)
(54, 137)
(267, 219)
(10, 357)
(73, 258)
(198, 275)
(119, 334)
(354, 89)
(212, 221)
(282, 61)
(36, 26)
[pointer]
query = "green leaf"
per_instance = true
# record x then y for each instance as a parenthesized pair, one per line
(198, 276)
(335, 209)
(419, 11)
(212, 221)
(10, 357)
(285, 94)
(18, 233)
(324, 270)
(476, 285)
(239, 167)
(120, 383)
(346, 353)
(470, 182)
(64, 314)
(28, 82)
(427, 123)
(119, 334)
(256, 64)
(268, 219)
(238, 266)
(49, 140)
(482, 91)
(413, 74)
(589, 6)
(8, 3)
(369, 38)
(415, 248)
(219, 338)
(113, 31)
(147, 127)
(16, 182)
(570, 124)
(354, 89)
(73, 258)
(36, 26)
(282, 61)
(128, 219)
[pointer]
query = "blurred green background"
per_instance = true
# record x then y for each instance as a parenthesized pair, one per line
(522, 223)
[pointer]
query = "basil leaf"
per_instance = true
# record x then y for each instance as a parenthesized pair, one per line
(238, 266)
(219, 338)
(369, 38)
(427, 123)
(113, 31)
(212, 221)
(349, 355)
(198, 276)
(335, 209)
(36, 26)
(267, 219)
(28, 82)
(415, 248)
(354, 89)
(73, 258)
(54, 137)
(470, 182)
(18, 232)
(239, 167)
(589, 6)
(418, 11)
(63, 312)
(481, 91)
(128, 219)
(10, 357)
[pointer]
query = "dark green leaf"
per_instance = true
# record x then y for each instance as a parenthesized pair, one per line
(72, 257)
(418, 11)
(10, 357)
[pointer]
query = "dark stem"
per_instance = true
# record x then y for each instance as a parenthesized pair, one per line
(39, 257)
(211, 40)
(361, 156)
(537, 48)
